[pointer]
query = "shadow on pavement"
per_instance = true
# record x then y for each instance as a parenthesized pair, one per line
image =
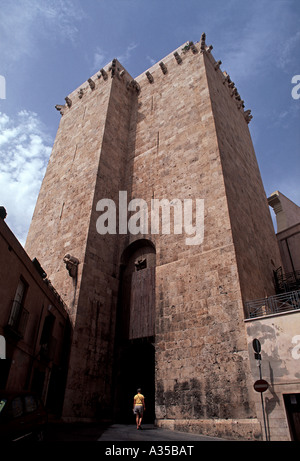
(92, 432)
(72, 432)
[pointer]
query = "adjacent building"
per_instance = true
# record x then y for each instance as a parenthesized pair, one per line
(288, 237)
(35, 324)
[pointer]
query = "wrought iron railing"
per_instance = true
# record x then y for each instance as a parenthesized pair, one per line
(273, 304)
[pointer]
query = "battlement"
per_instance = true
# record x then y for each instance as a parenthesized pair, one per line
(111, 70)
(178, 57)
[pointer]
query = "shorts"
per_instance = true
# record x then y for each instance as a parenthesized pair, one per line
(138, 409)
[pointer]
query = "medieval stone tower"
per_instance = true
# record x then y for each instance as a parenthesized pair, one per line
(147, 308)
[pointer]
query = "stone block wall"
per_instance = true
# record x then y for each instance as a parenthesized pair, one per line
(200, 339)
(86, 165)
(173, 133)
(252, 229)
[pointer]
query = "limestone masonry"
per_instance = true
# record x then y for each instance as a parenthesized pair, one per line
(148, 310)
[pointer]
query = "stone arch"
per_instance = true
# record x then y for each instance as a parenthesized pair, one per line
(135, 246)
(135, 330)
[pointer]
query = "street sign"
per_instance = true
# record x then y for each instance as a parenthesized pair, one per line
(257, 348)
(256, 345)
(260, 385)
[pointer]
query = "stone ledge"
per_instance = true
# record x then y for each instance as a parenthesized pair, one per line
(231, 429)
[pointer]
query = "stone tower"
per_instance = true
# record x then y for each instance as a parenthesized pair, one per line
(148, 309)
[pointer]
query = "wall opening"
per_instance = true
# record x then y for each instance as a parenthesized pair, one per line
(134, 364)
(136, 370)
(292, 408)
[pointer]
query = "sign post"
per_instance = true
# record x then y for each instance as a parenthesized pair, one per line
(260, 385)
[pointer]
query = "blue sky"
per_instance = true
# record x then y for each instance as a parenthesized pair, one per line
(49, 48)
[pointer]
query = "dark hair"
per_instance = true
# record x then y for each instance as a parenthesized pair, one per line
(139, 389)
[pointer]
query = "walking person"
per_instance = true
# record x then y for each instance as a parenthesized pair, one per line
(139, 408)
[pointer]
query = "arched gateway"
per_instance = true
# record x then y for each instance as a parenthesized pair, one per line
(135, 335)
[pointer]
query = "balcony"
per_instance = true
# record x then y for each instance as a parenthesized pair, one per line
(17, 321)
(276, 304)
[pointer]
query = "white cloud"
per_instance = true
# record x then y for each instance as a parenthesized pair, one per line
(124, 57)
(61, 17)
(263, 44)
(31, 20)
(151, 60)
(288, 51)
(24, 152)
(101, 58)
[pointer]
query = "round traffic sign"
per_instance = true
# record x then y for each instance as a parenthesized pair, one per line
(260, 385)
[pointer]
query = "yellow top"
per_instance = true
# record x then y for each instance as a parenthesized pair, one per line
(138, 399)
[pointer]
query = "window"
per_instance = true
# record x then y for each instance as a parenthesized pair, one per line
(292, 407)
(2, 404)
(18, 315)
(16, 407)
(140, 264)
(20, 293)
(30, 403)
(47, 329)
(47, 342)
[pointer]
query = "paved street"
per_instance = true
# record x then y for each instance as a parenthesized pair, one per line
(125, 433)
(118, 433)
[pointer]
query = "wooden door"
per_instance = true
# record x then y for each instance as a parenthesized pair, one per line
(142, 304)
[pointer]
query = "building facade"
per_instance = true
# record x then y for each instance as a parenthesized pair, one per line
(153, 224)
(278, 331)
(34, 324)
(288, 238)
